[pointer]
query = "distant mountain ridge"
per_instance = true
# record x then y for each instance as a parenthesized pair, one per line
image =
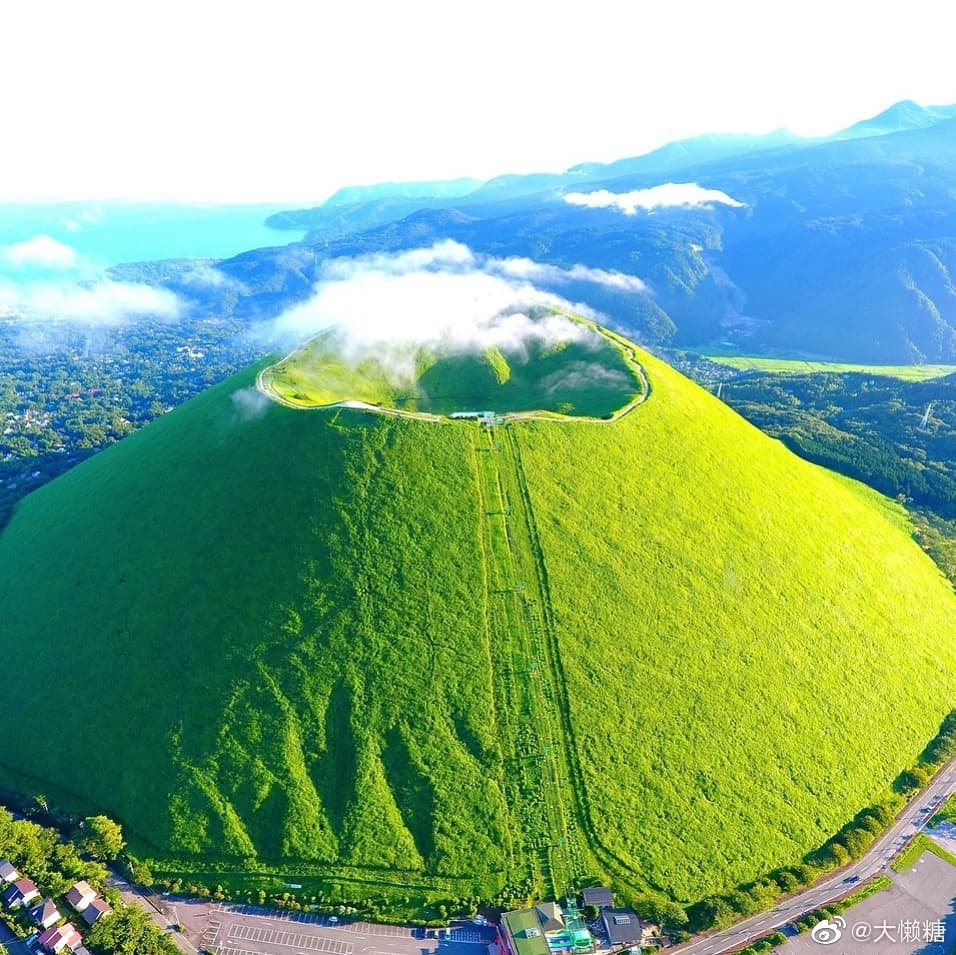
(843, 246)
(903, 115)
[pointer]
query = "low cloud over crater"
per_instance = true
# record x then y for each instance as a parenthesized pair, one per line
(444, 293)
(670, 195)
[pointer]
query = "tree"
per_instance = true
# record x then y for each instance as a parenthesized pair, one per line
(129, 931)
(102, 837)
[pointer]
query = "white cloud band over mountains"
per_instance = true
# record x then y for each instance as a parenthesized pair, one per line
(668, 195)
(47, 280)
(101, 303)
(445, 293)
(41, 251)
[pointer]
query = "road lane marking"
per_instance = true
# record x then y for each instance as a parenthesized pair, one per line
(271, 936)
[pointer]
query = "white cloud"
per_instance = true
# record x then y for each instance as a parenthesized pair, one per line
(374, 306)
(441, 294)
(49, 281)
(250, 404)
(85, 217)
(208, 276)
(554, 275)
(447, 256)
(667, 195)
(41, 250)
(100, 303)
(580, 375)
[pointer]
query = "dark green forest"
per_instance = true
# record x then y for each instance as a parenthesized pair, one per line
(67, 393)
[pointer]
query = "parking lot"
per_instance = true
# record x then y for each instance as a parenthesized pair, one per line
(252, 930)
(905, 919)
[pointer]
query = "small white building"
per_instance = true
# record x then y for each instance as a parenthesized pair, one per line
(46, 914)
(80, 895)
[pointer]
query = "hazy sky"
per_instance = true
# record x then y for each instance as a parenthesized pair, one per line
(286, 101)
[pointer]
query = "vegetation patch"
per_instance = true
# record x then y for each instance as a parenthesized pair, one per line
(946, 813)
(790, 366)
(920, 844)
(557, 365)
(410, 666)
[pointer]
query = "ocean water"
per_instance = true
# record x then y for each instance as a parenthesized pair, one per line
(108, 233)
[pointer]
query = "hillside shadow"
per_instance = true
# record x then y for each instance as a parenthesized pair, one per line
(333, 775)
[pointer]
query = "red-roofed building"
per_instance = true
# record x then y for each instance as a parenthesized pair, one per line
(96, 909)
(54, 940)
(20, 893)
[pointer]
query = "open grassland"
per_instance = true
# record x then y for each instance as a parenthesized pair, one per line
(801, 367)
(276, 613)
(735, 696)
(381, 655)
(585, 374)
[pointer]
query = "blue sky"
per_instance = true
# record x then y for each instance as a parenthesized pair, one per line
(207, 101)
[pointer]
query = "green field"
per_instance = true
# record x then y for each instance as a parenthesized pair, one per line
(398, 659)
(575, 370)
(799, 366)
(920, 844)
(947, 812)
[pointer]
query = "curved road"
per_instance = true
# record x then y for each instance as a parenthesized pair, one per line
(909, 822)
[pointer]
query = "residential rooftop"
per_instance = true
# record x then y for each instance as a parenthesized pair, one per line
(524, 926)
(623, 926)
(599, 895)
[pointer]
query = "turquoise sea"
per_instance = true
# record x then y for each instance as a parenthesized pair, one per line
(107, 233)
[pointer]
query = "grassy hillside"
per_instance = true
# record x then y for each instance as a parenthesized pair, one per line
(730, 619)
(571, 369)
(428, 657)
(258, 639)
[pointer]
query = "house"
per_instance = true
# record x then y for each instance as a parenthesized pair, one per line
(82, 950)
(54, 940)
(46, 914)
(623, 926)
(96, 909)
(521, 933)
(545, 929)
(7, 872)
(20, 893)
(599, 896)
(80, 896)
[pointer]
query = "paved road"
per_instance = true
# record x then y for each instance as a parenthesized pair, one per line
(11, 943)
(910, 821)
